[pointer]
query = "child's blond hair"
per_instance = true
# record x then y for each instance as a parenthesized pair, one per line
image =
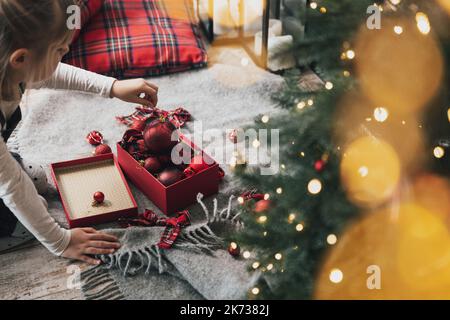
(30, 24)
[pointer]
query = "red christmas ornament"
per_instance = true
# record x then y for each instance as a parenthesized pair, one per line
(138, 124)
(94, 138)
(102, 149)
(158, 136)
(262, 206)
(152, 165)
(198, 163)
(99, 197)
(170, 176)
(319, 165)
(164, 159)
(234, 249)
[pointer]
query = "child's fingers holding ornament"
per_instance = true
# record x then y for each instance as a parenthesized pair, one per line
(132, 90)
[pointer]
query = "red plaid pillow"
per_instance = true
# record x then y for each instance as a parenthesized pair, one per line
(89, 8)
(138, 38)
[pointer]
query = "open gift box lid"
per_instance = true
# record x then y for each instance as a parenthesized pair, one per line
(77, 181)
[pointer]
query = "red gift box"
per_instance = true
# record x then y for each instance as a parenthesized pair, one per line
(173, 198)
(78, 180)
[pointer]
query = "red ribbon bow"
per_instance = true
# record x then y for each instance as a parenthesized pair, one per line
(151, 219)
(178, 117)
(252, 194)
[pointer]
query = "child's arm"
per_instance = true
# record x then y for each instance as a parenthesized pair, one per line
(71, 78)
(20, 196)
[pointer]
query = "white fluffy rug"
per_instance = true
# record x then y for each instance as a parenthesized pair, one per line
(222, 97)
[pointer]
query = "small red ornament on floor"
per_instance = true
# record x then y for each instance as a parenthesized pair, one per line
(99, 198)
(102, 149)
(94, 138)
(319, 165)
(234, 249)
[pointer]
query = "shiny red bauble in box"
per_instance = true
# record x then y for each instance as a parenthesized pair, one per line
(153, 165)
(138, 125)
(158, 136)
(170, 176)
(99, 197)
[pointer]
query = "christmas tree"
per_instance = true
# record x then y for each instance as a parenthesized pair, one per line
(364, 160)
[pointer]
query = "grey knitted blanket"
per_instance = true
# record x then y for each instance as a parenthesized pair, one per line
(53, 129)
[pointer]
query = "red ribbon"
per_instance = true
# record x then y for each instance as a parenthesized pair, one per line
(178, 117)
(151, 219)
(252, 194)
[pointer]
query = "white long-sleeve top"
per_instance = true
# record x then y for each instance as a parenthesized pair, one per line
(16, 188)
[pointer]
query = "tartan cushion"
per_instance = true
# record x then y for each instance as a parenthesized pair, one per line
(138, 38)
(88, 8)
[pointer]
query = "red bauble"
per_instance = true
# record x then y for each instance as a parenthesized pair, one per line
(94, 138)
(170, 176)
(198, 163)
(262, 206)
(102, 149)
(319, 165)
(158, 136)
(234, 249)
(152, 165)
(138, 125)
(164, 159)
(99, 197)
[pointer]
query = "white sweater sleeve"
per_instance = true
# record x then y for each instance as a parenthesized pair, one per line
(20, 196)
(67, 77)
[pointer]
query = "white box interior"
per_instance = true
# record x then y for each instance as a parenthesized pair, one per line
(77, 185)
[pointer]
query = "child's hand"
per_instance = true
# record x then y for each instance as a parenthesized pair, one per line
(132, 90)
(88, 241)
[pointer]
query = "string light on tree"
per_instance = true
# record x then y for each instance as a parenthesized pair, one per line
(255, 265)
(438, 152)
(350, 54)
(313, 5)
(291, 217)
(301, 105)
(346, 73)
(279, 190)
(262, 219)
(314, 186)
(398, 30)
(265, 118)
(299, 227)
(269, 266)
(246, 254)
(278, 256)
(310, 102)
(336, 275)
(328, 85)
(255, 291)
(423, 24)
(331, 239)
(323, 10)
(380, 114)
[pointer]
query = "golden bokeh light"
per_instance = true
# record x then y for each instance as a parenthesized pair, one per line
(336, 275)
(401, 252)
(423, 24)
(356, 116)
(370, 171)
(445, 4)
(401, 73)
(438, 152)
(314, 186)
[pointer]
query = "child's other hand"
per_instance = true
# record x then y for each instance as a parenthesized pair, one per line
(88, 241)
(132, 91)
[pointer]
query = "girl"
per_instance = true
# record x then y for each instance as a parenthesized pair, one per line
(33, 39)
